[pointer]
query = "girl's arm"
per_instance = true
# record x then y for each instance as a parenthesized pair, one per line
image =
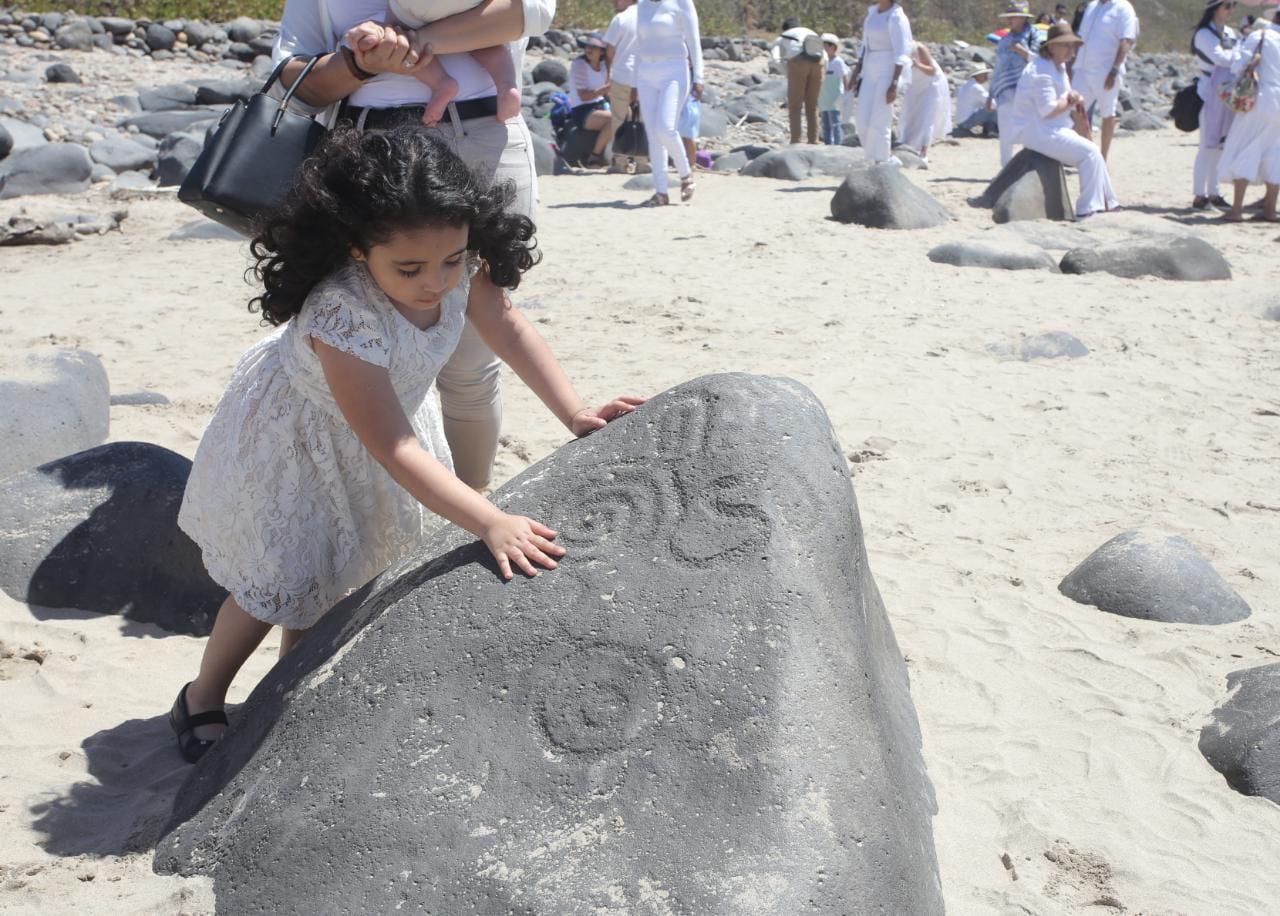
(369, 403)
(518, 344)
(924, 60)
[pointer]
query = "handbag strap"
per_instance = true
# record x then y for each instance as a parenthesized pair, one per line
(288, 95)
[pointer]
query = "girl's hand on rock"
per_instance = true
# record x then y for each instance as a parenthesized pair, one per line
(522, 541)
(588, 420)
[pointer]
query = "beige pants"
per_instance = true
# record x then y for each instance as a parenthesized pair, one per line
(804, 80)
(620, 108)
(469, 383)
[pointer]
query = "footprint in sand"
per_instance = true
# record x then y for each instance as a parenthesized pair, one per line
(18, 662)
(1080, 879)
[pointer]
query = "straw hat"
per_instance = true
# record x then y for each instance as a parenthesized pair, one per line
(592, 40)
(1017, 9)
(1060, 34)
(830, 39)
(980, 71)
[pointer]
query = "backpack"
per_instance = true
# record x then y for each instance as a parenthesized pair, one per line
(1186, 108)
(559, 114)
(811, 48)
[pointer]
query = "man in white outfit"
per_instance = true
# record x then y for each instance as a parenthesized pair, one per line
(621, 58)
(1109, 30)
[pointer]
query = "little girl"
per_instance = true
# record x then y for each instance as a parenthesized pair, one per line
(326, 458)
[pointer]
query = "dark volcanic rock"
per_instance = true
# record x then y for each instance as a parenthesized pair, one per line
(703, 705)
(175, 157)
(881, 197)
(160, 124)
(730, 162)
(795, 163)
(1031, 186)
(551, 71)
(160, 38)
(6, 141)
(1243, 740)
(170, 97)
(1185, 258)
(74, 36)
(1154, 576)
(122, 154)
(98, 531)
(57, 168)
(61, 73)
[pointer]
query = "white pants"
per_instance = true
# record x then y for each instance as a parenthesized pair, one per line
(663, 87)
(874, 118)
(1206, 171)
(1069, 148)
(1093, 86)
(1008, 129)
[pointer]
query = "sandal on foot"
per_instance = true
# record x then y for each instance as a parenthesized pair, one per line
(687, 187)
(184, 725)
(657, 200)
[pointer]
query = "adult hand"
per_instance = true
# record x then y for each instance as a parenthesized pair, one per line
(1075, 98)
(382, 49)
(522, 541)
(697, 91)
(588, 420)
(1111, 81)
(891, 94)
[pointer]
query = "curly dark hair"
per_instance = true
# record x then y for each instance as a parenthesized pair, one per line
(357, 190)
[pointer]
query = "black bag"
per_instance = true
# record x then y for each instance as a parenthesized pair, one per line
(1186, 108)
(249, 163)
(631, 138)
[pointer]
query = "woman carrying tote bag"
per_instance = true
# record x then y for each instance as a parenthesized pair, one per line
(1252, 151)
(377, 89)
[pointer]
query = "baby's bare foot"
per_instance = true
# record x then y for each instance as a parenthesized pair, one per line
(441, 95)
(508, 104)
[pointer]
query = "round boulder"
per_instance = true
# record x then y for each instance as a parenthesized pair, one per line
(57, 168)
(881, 197)
(177, 154)
(1242, 741)
(6, 141)
(1185, 258)
(243, 29)
(1151, 575)
(98, 531)
(160, 38)
(61, 73)
(551, 71)
(75, 35)
(52, 403)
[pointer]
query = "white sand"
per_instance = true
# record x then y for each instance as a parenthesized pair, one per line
(1060, 736)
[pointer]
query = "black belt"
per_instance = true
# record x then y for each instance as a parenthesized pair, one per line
(382, 118)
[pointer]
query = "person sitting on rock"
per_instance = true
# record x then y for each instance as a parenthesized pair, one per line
(589, 90)
(326, 459)
(973, 105)
(1050, 117)
(494, 60)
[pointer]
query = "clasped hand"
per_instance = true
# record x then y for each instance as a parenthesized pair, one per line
(383, 48)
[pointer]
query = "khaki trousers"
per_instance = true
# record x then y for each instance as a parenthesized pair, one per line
(620, 108)
(804, 80)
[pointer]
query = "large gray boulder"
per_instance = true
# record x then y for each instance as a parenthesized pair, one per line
(52, 402)
(121, 154)
(1031, 186)
(1242, 742)
(23, 134)
(98, 531)
(881, 197)
(1184, 258)
(75, 35)
(243, 29)
(796, 163)
(169, 97)
(993, 254)
(160, 124)
(56, 168)
(551, 71)
(1151, 575)
(703, 710)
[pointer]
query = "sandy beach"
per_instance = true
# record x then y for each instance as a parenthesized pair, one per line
(1061, 740)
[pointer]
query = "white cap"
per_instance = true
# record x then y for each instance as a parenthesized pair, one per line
(829, 39)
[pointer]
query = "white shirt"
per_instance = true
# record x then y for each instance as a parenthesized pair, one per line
(888, 32)
(972, 97)
(1209, 44)
(583, 79)
(1268, 68)
(1105, 24)
(1040, 87)
(789, 43)
(315, 27)
(622, 35)
(667, 30)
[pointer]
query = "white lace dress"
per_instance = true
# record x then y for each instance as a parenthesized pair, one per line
(291, 511)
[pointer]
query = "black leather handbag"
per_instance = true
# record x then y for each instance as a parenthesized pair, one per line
(249, 162)
(631, 139)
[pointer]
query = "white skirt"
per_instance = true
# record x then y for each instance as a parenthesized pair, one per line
(1252, 150)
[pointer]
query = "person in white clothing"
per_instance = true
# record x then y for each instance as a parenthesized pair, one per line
(1109, 30)
(620, 55)
(588, 92)
(669, 60)
(926, 103)
(1215, 45)
(378, 89)
(1045, 110)
(1016, 49)
(973, 109)
(835, 83)
(886, 54)
(1252, 151)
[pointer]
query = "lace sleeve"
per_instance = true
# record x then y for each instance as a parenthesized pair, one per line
(339, 318)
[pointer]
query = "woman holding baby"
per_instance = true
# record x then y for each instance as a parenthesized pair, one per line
(386, 73)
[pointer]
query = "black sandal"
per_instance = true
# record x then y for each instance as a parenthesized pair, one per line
(184, 725)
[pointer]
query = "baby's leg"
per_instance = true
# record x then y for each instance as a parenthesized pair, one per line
(497, 62)
(443, 90)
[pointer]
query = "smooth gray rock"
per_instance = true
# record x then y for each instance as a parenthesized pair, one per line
(97, 531)
(121, 154)
(702, 711)
(201, 229)
(712, 123)
(881, 197)
(639, 183)
(74, 36)
(56, 168)
(6, 142)
(243, 29)
(1031, 186)
(730, 162)
(101, 173)
(1154, 576)
(177, 154)
(170, 97)
(910, 159)
(61, 73)
(1242, 742)
(198, 33)
(160, 124)
(1049, 345)
(52, 402)
(796, 163)
(541, 127)
(1141, 120)
(160, 38)
(117, 25)
(224, 91)
(23, 134)
(551, 71)
(993, 254)
(1186, 258)
(544, 155)
(141, 398)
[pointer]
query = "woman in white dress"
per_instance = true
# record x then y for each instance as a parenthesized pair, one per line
(1045, 112)
(668, 70)
(926, 103)
(326, 460)
(1215, 45)
(886, 53)
(1252, 151)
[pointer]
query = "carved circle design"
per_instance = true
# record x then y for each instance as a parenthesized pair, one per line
(599, 698)
(630, 505)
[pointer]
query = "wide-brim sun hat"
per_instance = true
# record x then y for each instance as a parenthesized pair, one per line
(593, 40)
(1060, 33)
(1017, 9)
(829, 39)
(981, 71)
